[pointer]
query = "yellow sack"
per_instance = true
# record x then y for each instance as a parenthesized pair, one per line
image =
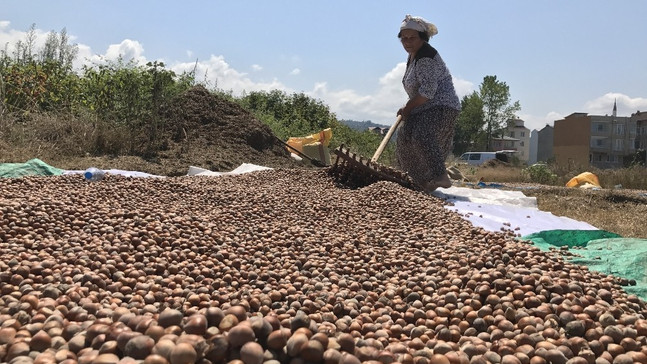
(296, 143)
(322, 137)
(317, 151)
(583, 178)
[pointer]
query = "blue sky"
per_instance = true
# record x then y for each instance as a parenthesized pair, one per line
(557, 57)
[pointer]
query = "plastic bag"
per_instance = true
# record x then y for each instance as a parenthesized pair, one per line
(322, 137)
(583, 178)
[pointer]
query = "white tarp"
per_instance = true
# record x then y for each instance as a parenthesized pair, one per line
(193, 171)
(243, 168)
(116, 171)
(495, 209)
(490, 196)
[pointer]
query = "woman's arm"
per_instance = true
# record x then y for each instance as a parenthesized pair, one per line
(412, 103)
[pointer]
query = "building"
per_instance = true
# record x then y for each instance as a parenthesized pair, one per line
(504, 143)
(516, 137)
(532, 158)
(607, 141)
(378, 130)
(545, 138)
(640, 118)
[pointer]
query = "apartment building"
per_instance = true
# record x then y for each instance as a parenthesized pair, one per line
(517, 138)
(580, 140)
(545, 140)
(640, 118)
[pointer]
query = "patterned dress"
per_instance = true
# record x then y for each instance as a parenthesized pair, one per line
(425, 138)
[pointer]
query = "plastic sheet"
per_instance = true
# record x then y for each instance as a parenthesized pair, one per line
(33, 167)
(603, 252)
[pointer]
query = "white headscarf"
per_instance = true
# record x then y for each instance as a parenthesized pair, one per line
(419, 24)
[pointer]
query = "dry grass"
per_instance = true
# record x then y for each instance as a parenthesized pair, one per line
(620, 211)
(56, 138)
(495, 171)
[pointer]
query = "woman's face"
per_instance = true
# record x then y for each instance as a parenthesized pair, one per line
(411, 40)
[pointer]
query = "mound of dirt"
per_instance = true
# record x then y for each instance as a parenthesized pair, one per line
(197, 128)
(202, 129)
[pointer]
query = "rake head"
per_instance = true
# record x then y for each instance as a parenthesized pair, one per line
(354, 171)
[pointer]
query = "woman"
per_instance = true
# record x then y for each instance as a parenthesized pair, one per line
(428, 118)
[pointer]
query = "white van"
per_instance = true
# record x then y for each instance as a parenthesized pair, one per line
(476, 158)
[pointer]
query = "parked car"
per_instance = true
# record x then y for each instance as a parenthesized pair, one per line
(478, 158)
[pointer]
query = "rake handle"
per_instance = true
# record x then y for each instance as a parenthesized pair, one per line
(386, 139)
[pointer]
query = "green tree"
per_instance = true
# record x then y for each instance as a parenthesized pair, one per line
(125, 99)
(24, 50)
(364, 142)
(58, 49)
(300, 115)
(39, 80)
(497, 109)
(130, 95)
(469, 133)
(289, 115)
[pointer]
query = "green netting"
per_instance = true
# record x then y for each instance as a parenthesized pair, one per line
(621, 257)
(545, 240)
(33, 167)
(603, 252)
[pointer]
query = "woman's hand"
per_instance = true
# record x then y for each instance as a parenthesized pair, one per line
(410, 105)
(404, 111)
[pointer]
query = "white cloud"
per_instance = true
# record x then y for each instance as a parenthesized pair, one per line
(603, 105)
(346, 104)
(84, 56)
(128, 50)
(10, 37)
(380, 105)
(217, 73)
(463, 87)
(189, 54)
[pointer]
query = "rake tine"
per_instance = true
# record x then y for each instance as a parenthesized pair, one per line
(355, 171)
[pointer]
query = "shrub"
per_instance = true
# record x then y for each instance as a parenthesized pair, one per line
(540, 173)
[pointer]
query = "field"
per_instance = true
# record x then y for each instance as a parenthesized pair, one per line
(619, 206)
(283, 266)
(621, 211)
(209, 132)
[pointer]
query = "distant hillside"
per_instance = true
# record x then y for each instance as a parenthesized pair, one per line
(362, 125)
